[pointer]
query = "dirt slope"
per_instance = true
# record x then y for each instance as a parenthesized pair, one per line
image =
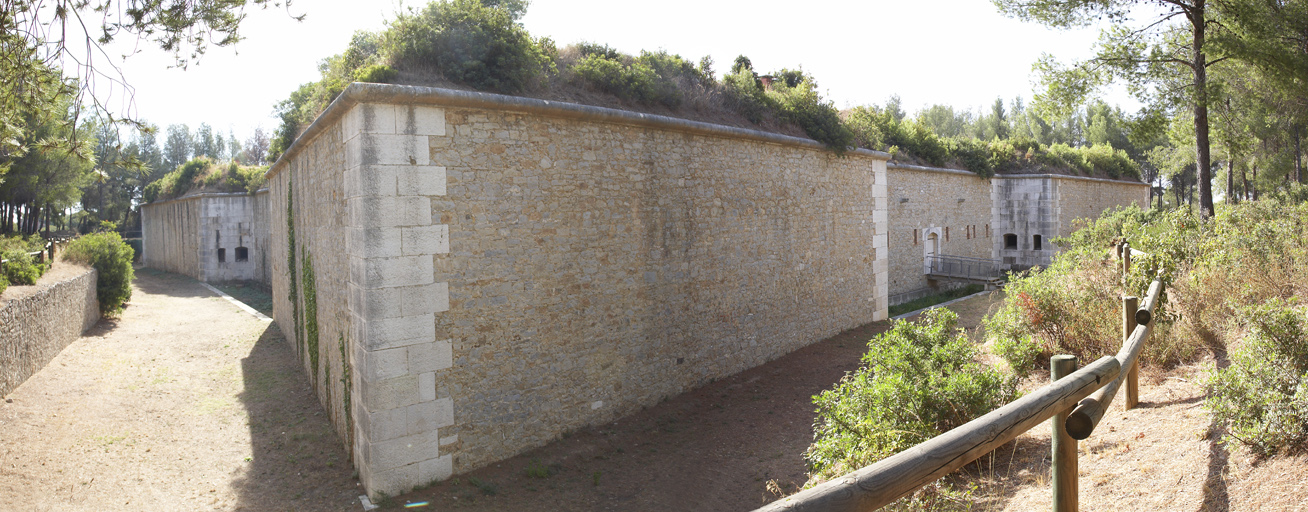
(185, 403)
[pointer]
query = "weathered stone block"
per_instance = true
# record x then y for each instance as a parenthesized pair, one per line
(368, 118)
(436, 469)
(421, 180)
(429, 416)
(392, 272)
(383, 425)
(427, 386)
(382, 333)
(390, 393)
(371, 180)
(419, 120)
(373, 212)
(431, 298)
(430, 356)
(379, 242)
(383, 149)
(391, 481)
(385, 364)
(426, 240)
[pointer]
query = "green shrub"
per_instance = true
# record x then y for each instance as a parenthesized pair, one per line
(4, 283)
(19, 268)
(1263, 394)
(635, 81)
(800, 104)
(112, 259)
(376, 73)
(470, 43)
(917, 380)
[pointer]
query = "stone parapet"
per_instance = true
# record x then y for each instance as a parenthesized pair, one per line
(40, 324)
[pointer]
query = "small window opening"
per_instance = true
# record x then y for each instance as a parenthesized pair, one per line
(1035, 242)
(242, 254)
(1010, 241)
(222, 255)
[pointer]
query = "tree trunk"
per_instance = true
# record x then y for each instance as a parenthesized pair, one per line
(1230, 181)
(1202, 150)
(1254, 191)
(1298, 160)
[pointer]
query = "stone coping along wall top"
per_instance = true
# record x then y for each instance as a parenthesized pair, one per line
(896, 165)
(359, 92)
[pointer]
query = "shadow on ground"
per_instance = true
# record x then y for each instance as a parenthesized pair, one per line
(156, 285)
(299, 462)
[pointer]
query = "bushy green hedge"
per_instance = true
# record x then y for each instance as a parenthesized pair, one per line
(1263, 395)
(20, 268)
(112, 260)
(918, 380)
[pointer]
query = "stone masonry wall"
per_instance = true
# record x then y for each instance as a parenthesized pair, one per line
(1047, 206)
(36, 327)
(597, 268)
(314, 315)
(228, 224)
(950, 204)
(185, 236)
(170, 233)
(1087, 199)
(517, 269)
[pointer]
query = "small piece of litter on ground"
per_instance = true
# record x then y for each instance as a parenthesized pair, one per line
(415, 504)
(367, 503)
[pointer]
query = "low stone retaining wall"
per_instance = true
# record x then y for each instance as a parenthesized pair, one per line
(35, 327)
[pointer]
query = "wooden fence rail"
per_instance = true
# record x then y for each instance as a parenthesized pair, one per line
(1069, 397)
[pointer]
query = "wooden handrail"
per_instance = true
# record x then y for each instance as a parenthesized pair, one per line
(1081, 423)
(899, 475)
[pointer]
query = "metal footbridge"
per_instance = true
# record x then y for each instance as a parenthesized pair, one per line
(965, 269)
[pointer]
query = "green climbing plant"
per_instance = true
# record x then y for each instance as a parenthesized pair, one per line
(310, 314)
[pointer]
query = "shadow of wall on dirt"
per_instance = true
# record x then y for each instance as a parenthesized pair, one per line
(159, 282)
(299, 462)
(1216, 496)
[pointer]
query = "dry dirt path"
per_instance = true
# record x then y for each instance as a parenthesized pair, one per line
(184, 403)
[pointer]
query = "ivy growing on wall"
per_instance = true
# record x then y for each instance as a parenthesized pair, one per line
(347, 385)
(290, 263)
(310, 314)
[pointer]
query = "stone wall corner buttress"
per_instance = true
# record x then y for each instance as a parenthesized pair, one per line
(394, 300)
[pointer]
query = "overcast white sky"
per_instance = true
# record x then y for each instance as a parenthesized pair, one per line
(953, 52)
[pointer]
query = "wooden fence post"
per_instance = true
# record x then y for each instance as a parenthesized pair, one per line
(1129, 306)
(1064, 478)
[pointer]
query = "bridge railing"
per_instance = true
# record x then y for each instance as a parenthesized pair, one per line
(1075, 400)
(963, 267)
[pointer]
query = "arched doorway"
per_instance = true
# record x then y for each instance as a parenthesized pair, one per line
(930, 249)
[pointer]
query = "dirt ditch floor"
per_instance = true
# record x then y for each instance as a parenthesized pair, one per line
(183, 403)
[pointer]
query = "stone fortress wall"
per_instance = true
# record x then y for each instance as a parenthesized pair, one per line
(466, 276)
(211, 237)
(515, 269)
(970, 216)
(1048, 206)
(950, 205)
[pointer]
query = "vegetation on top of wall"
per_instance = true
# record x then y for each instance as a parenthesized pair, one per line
(478, 44)
(205, 175)
(112, 259)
